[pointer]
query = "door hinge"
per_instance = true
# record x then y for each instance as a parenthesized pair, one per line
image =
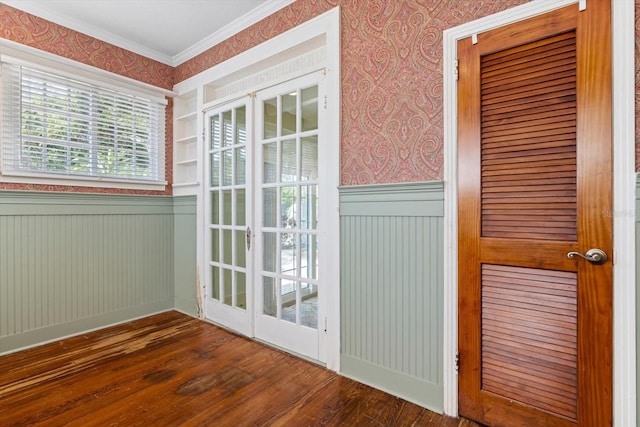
(325, 325)
(325, 102)
(455, 69)
(457, 361)
(203, 131)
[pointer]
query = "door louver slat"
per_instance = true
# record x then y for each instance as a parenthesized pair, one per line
(541, 46)
(533, 114)
(529, 155)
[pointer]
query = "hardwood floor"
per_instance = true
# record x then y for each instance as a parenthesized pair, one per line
(172, 370)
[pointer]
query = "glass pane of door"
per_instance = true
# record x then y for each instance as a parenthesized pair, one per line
(290, 243)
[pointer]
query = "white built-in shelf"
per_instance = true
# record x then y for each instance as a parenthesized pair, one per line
(186, 184)
(187, 116)
(185, 139)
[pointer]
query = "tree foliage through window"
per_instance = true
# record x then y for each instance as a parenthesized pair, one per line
(70, 127)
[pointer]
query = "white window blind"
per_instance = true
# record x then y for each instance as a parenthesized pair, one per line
(55, 125)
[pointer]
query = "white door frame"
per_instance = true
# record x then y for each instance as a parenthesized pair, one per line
(624, 181)
(271, 62)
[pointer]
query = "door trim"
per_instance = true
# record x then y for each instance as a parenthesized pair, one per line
(321, 31)
(624, 358)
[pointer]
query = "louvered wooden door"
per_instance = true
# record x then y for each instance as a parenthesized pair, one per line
(535, 327)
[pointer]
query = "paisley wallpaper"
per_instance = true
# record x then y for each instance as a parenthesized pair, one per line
(30, 30)
(392, 117)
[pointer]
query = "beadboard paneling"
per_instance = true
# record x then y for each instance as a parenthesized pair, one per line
(638, 293)
(71, 262)
(392, 289)
(184, 238)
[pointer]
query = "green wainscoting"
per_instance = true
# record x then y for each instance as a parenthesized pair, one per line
(185, 266)
(638, 295)
(392, 289)
(73, 262)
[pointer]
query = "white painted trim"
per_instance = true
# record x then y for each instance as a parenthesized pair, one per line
(307, 63)
(80, 181)
(450, 309)
(19, 54)
(624, 199)
(296, 41)
(331, 20)
(582, 5)
(267, 8)
(38, 8)
(62, 65)
(42, 10)
(624, 194)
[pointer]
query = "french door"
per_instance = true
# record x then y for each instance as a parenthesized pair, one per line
(289, 293)
(228, 208)
(263, 215)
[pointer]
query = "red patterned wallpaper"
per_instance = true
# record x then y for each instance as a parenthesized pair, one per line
(392, 117)
(392, 87)
(392, 122)
(18, 26)
(32, 31)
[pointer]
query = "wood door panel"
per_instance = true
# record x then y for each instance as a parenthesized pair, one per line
(595, 229)
(513, 354)
(525, 253)
(506, 195)
(532, 31)
(534, 161)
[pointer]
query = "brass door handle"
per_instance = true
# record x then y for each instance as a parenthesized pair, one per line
(594, 256)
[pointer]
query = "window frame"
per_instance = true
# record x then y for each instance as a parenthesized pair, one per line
(100, 80)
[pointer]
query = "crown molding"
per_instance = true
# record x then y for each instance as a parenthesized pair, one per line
(234, 27)
(39, 8)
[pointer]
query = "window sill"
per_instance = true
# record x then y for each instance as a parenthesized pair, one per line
(79, 181)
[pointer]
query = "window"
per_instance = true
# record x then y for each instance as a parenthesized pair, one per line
(56, 126)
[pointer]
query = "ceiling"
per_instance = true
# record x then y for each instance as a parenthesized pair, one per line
(169, 31)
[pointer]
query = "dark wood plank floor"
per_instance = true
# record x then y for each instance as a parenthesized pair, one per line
(172, 370)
